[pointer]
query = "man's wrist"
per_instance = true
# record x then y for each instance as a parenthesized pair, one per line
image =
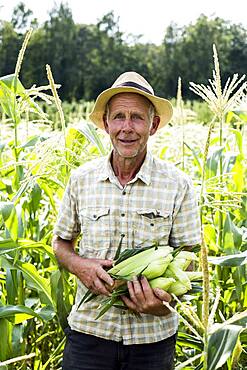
(74, 261)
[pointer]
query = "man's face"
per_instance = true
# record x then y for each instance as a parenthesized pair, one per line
(129, 125)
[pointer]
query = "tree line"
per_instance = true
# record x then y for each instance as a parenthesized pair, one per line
(87, 58)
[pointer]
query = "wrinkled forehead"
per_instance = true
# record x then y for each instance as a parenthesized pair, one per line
(129, 98)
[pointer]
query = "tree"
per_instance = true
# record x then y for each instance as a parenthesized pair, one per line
(21, 17)
(188, 52)
(10, 43)
(61, 49)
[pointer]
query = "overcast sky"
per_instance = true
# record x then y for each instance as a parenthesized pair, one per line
(149, 18)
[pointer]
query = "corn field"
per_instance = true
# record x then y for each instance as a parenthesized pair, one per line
(36, 158)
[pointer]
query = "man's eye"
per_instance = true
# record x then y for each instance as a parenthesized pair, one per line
(119, 116)
(136, 117)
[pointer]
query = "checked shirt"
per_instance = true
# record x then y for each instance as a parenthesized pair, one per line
(158, 204)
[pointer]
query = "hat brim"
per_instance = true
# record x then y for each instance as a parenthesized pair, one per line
(162, 106)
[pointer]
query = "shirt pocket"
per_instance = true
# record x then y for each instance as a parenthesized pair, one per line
(152, 224)
(95, 223)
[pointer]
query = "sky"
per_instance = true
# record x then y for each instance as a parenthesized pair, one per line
(139, 17)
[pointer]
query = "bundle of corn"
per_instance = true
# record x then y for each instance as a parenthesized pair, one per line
(163, 266)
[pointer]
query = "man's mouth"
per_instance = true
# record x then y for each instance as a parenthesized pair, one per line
(128, 141)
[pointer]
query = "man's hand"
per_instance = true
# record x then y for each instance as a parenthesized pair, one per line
(144, 299)
(92, 274)
(90, 271)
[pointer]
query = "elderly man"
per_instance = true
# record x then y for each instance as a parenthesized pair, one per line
(133, 196)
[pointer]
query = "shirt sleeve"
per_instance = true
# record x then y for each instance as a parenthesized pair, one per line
(68, 225)
(186, 228)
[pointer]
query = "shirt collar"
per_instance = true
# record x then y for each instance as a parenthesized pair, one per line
(144, 174)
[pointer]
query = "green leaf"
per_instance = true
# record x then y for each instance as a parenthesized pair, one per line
(60, 298)
(11, 285)
(8, 211)
(90, 132)
(239, 140)
(232, 235)
(13, 83)
(229, 159)
(221, 345)
(188, 340)
(32, 278)
(232, 260)
(196, 158)
(213, 162)
(18, 340)
(5, 330)
(10, 87)
(32, 140)
(8, 246)
(35, 198)
(239, 176)
(21, 313)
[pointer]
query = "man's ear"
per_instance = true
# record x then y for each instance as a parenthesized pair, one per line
(154, 125)
(105, 123)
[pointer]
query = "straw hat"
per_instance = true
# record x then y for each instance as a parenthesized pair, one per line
(134, 83)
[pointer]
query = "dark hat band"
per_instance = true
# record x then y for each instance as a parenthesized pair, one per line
(134, 84)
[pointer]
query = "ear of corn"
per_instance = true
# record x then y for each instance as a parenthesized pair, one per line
(194, 275)
(150, 263)
(177, 288)
(174, 272)
(184, 258)
(158, 265)
(162, 283)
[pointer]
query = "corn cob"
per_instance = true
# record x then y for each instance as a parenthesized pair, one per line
(179, 275)
(150, 263)
(161, 282)
(157, 264)
(184, 258)
(194, 275)
(177, 288)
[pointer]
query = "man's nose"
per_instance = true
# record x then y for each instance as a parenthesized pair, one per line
(127, 124)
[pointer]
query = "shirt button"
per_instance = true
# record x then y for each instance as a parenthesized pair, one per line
(122, 214)
(124, 192)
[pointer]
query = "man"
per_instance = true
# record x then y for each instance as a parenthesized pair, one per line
(135, 197)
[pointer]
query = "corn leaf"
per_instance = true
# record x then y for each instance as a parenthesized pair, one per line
(188, 340)
(232, 235)
(10, 218)
(89, 131)
(32, 278)
(232, 260)
(213, 162)
(8, 246)
(21, 313)
(221, 345)
(5, 348)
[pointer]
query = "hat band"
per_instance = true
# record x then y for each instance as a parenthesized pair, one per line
(134, 84)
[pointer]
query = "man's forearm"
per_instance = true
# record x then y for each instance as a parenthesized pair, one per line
(65, 253)
(90, 271)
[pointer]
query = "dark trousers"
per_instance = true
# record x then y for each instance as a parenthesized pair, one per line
(87, 352)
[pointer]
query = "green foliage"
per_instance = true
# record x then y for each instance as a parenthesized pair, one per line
(36, 295)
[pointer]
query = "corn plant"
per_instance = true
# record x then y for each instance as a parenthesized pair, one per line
(35, 163)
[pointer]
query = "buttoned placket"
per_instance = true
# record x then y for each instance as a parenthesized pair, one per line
(124, 218)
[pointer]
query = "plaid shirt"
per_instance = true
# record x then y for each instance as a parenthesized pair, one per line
(158, 204)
